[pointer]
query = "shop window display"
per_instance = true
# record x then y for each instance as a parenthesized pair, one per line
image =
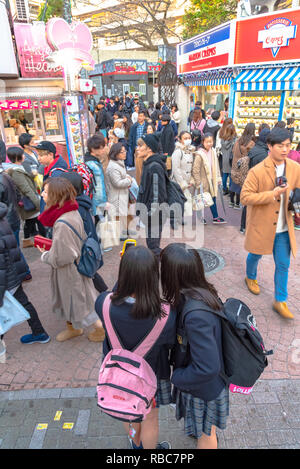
(258, 108)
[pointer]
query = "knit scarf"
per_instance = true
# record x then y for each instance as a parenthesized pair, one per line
(50, 215)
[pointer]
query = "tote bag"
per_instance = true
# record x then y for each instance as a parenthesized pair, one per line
(108, 232)
(12, 313)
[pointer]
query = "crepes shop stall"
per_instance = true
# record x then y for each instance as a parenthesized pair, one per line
(47, 114)
(204, 63)
(46, 98)
(267, 86)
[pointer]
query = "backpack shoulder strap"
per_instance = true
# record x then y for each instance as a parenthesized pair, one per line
(71, 227)
(113, 338)
(143, 348)
(58, 169)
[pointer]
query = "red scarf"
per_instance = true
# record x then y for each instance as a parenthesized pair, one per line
(50, 215)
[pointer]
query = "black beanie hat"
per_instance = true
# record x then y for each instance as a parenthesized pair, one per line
(152, 141)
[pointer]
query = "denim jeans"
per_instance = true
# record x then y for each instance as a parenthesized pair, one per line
(214, 209)
(225, 177)
(281, 254)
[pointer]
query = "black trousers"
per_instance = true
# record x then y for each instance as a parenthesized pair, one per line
(34, 321)
(33, 227)
(243, 218)
(154, 236)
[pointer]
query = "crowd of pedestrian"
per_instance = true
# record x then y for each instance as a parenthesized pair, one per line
(259, 173)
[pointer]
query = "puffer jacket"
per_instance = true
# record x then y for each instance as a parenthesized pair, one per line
(26, 187)
(13, 269)
(99, 194)
(8, 196)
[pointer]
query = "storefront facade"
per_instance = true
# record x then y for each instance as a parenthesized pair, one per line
(45, 100)
(204, 64)
(267, 85)
(262, 61)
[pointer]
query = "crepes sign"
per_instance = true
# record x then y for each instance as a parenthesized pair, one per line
(277, 34)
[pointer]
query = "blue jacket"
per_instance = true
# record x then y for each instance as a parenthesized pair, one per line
(132, 135)
(85, 208)
(200, 377)
(174, 127)
(99, 194)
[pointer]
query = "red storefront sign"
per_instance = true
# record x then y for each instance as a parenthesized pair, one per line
(271, 38)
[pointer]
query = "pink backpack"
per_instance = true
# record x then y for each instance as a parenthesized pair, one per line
(127, 383)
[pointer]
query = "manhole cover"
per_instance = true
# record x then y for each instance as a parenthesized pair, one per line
(211, 260)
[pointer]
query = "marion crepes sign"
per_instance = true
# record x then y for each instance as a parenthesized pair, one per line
(33, 49)
(271, 38)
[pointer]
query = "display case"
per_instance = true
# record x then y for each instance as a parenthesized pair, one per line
(258, 107)
(291, 113)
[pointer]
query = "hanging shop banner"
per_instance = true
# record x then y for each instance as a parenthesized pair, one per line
(208, 51)
(271, 38)
(33, 51)
(51, 121)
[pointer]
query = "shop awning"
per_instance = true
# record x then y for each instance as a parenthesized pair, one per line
(268, 79)
(210, 79)
(31, 93)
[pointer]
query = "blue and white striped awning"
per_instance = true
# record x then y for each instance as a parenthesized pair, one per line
(268, 79)
(210, 79)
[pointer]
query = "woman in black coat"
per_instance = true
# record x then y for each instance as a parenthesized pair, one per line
(13, 271)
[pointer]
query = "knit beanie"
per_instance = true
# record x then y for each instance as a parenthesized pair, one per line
(152, 141)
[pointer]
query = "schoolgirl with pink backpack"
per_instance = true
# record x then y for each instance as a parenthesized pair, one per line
(134, 378)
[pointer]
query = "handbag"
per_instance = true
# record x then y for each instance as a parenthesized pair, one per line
(108, 232)
(133, 191)
(12, 313)
(202, 200)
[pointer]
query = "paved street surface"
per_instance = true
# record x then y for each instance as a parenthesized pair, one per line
(39, 380)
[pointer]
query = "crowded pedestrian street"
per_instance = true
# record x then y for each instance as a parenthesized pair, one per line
(150, 227)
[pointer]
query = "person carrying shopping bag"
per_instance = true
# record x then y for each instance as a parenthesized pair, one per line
(206, 173)
(13, 271)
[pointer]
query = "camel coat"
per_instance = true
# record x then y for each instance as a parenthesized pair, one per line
(73, 295)
(262, 209)
(202, 174)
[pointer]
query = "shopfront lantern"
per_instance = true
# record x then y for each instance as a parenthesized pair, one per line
(71, 45)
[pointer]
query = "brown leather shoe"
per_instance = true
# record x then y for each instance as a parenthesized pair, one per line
(252, 286)
(281, 308)
(97, 335)
(68, 333)
(28, 243)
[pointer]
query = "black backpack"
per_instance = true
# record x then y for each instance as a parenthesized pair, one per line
(244, 354)
(91, 257)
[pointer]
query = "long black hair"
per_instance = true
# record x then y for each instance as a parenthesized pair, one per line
(139, 276)
(182, 272)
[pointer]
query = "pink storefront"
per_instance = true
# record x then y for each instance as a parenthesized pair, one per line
(46, 97)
